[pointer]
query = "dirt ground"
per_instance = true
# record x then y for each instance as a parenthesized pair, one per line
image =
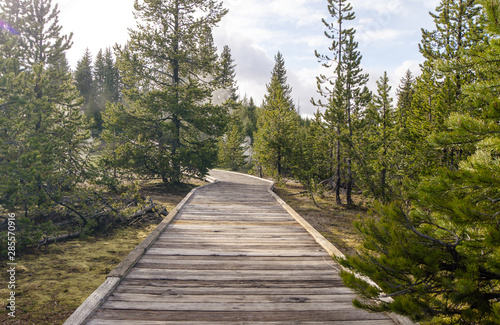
(332, 221)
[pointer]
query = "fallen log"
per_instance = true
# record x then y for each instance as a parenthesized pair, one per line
(46, 241)
(151, 208)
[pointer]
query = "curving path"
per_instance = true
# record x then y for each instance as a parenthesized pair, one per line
(231, 254)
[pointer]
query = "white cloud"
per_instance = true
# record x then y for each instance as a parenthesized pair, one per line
(394, 7)
(386, 34)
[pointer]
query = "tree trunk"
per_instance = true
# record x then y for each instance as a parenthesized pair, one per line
(337, 176)
(349, 150)
(339, 61)
(176, 169)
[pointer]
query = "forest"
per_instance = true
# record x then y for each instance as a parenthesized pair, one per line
(165, 106)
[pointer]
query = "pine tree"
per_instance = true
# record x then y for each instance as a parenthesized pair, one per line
(227, 74)
(439, 90)
(344, 92)
(436, 252)
(377, 144)
(231, 145)
(274, 139)
(45, 137)
(248, 116)
(84, 80)
(279, 80)
(312, 150)
(405, 93)
(407, 162)
(356, 98)
(277, 124)
(166, 71)
(112, 82)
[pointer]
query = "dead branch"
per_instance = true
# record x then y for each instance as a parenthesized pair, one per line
(46, 241)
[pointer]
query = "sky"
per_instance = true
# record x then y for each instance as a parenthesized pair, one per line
(388, 33)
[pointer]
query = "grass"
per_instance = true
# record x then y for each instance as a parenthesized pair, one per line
(53, 281)
(334, 222)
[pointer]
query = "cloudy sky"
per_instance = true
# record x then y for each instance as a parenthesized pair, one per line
(388, 33)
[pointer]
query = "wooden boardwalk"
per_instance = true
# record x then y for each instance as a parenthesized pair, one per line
(231, 254)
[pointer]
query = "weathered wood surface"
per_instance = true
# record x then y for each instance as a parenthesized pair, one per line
(233, 255)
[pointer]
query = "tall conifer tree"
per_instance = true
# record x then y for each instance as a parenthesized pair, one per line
(344, 91)
(84, 79)
(279, 79)
(47, 151)
(277, 124)
(227, 74)
(439, 90)
(167, 73)
(379, 133)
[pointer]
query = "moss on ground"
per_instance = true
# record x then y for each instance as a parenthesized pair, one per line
(53, 281)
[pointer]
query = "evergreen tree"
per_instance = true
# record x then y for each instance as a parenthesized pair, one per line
(84, 80)
(232, 145)
(376, 157)
(405, 93)
(345, 92)
(436, 253)
(277, 124)
(312, 154)
(171, 121)
(112, 82)
(248, 116)
(98, 85)
(227, 75)
(279, 80)
(356, 98)
(407, 162)
(44, 136)
(439, 90)
(274, 139)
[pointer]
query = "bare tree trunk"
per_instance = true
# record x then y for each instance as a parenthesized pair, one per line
(338, 179)
(349, 150)
(339, 61)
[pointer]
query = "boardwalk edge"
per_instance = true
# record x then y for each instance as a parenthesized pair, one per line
(318, 237)
(86, 310)
(331, 250)
(323, 242)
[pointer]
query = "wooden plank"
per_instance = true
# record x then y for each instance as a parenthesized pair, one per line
(238, 239)
(228, 291)
(183, 234)
(237, 284)
(235, 252)
(83, 313)
(226, 245)
(140, 322)
(223, 299)
(286, 317)
(337, 307)
(229, 275)
(242, 228)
